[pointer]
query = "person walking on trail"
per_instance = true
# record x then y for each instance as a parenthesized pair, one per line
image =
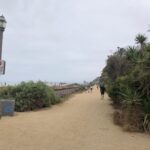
(91, 89)
(102, 88)
(97, 86)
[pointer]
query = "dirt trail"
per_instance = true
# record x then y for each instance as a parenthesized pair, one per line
(82, 123)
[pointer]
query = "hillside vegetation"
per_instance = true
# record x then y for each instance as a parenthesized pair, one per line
(126, 76)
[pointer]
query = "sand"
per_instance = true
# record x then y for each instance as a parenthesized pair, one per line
(84, 122)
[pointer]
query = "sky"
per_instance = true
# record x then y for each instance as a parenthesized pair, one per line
(67, 40)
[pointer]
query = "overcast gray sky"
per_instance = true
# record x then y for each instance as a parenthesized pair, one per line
(67, 40)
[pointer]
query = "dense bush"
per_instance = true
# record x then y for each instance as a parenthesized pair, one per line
(30, 95)
(82, 88)
(6, 92)
(126, 76)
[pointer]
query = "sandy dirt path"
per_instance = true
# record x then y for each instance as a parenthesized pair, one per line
(82, 123)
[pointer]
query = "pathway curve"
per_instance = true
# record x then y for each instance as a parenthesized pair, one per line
(82, 123)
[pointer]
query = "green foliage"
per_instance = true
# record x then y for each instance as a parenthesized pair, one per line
(133, 55)
(82, 88)
(127, 72)
(147, 106)
(6, 92)
(30, 95)
(141, 39)
(116, 66)
(130, 97)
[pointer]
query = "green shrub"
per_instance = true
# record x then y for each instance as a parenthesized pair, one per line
(127, 72)
(147, 107)
(6, 92)
(82, 88)
(30, 95)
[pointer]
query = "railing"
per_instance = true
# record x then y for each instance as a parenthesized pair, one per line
(63, 91)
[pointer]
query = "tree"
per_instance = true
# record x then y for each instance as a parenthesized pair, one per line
(141, 39)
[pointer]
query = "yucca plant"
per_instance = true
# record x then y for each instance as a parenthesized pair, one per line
(133, 55)
(141, 39)
(131, 97)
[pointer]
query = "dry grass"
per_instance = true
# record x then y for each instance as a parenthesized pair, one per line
(129, 119)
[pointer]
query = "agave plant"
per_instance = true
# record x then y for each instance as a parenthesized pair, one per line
(130, 97)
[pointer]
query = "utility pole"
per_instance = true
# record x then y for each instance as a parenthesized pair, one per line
(2, 29)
